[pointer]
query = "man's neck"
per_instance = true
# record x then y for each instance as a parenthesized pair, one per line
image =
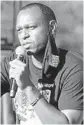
(38, 59)
(36, 63)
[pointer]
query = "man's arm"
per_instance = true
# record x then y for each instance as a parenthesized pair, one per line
(49, 114)
(74, 116)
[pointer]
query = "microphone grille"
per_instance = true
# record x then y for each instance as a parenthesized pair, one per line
(20, 50)
(21, 53)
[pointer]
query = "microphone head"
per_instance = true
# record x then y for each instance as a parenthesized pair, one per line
(21, 54)
(20, 50)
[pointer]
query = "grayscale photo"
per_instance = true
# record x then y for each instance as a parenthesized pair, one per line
(41, 62)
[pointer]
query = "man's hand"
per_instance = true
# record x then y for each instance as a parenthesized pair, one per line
(19, 71)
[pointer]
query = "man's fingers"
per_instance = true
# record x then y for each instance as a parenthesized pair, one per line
(15, 71)
(12, 73)
(16, 63)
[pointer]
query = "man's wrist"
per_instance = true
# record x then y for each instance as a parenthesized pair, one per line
(36, 100)
(33, 95)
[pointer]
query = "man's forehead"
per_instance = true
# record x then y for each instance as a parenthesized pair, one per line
(33, 11)
(30, 15)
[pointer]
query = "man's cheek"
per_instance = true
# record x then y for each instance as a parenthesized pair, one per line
(20, 40)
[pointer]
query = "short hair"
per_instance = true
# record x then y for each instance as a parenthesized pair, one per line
(47, 12)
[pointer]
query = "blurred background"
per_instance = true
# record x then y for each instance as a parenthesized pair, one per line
(69, 15)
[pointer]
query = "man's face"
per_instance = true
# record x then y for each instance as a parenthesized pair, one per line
(32, 30)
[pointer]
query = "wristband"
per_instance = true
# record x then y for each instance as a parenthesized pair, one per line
(37, 99)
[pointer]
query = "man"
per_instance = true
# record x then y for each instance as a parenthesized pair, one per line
(41, 98)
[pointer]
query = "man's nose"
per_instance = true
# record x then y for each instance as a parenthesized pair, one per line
(25, 34)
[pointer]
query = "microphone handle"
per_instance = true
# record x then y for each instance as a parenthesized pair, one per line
(13, 88)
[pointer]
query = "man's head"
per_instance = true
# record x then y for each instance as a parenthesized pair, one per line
(33, 24)
(47, 12)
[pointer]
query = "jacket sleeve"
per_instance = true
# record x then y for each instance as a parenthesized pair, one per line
(71, 96)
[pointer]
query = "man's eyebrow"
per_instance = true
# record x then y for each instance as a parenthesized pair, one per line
(17, 27)
(26, 25)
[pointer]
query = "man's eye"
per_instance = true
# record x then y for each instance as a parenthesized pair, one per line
(32, 27)
(18, 30)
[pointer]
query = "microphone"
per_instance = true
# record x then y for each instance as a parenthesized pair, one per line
(21, 55)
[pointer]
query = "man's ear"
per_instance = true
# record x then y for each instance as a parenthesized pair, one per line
(53, 26)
